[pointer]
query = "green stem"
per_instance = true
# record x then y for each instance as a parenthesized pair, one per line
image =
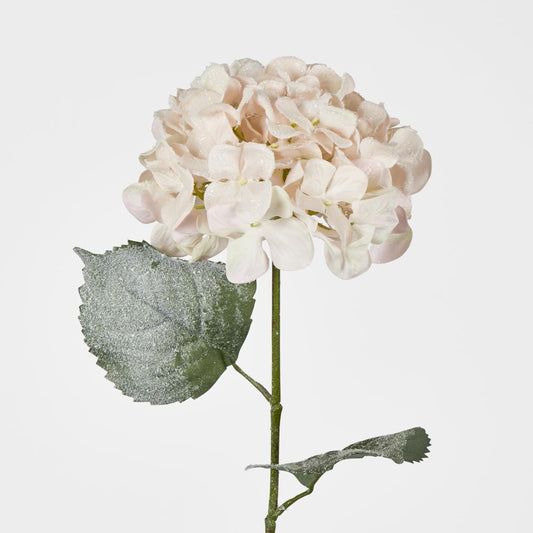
(255, 383)
(275, 405)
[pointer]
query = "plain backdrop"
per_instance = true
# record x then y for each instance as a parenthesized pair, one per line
(440, 338)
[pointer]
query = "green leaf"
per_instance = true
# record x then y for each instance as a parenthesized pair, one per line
(164, 329)
(409, 446)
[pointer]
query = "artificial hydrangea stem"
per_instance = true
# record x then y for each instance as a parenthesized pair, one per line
(255, 383)
(275, 404)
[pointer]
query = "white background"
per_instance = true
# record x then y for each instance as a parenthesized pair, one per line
(440, 338)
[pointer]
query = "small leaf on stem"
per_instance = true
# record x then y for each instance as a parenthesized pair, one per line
(409, 446)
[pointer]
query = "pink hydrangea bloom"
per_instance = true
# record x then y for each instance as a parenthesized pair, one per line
(279, 154)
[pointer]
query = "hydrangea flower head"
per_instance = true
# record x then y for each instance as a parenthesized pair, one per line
(283, 155)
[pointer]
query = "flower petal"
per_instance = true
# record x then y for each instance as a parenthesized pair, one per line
(309, 203)
(257, 161)
(162, 240)
(407, 145)
(395, 246)
(214, 78)
(208, 247)
(148, 202)
(209, 131)
(295, 174)
(287, 106)
(246, 259)
(287, 154)
(174, 209)
(373, 120)
(348, 184)
(223, 162)
(341, 121)
(232, 207)
(191, 225)
(380, 210)
(371, 148)
(291, 66)
(194, 101)
(397, 243)
(291, 246)
(281, 131)
(195, 165)
(379, 176)
(371, 208)
(305, 87)
(247, 68)
(335, 138)
(311, 223)
(280, 206)
(411, 179)
(346, 262)
(339, 158)
(338, 221)
(317, 175)
(329, 79)
(347, 86)
(175, 179)
(138, 200)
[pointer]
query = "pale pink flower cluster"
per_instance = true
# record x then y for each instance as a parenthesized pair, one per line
(281, 154)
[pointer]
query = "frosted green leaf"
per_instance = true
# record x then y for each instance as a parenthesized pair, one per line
(164, 329)
(409, 446)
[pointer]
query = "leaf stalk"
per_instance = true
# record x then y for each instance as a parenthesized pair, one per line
(255, 383)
